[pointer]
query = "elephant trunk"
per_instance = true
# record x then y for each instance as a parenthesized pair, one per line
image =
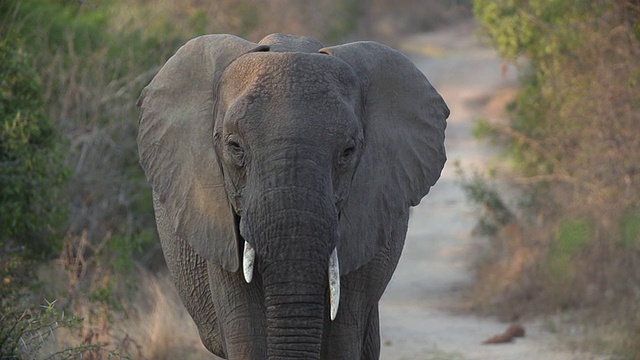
(293, 242)
(295, 310)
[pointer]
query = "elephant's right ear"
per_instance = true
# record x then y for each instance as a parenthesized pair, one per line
(175, 145)
(404, 121)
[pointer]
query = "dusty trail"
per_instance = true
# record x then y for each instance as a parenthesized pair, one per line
(416, 321)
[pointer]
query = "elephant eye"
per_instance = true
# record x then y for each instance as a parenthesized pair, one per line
(347, 153)
(234, 145)
(235, 150)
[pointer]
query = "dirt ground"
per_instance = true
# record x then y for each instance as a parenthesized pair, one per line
(417, 314)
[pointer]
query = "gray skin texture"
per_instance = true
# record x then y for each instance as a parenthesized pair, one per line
(296, 149)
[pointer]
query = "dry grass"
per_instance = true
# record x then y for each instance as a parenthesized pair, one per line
(160, 322)
(150, 321)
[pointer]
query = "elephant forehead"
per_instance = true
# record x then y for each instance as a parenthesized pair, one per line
(289, 96)
(273, 76)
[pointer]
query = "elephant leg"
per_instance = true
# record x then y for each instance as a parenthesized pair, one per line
(356, 337)
(189, 273)
(371, 346)
(344, 338)
(356, 330)
(241, 313)
(354, 334)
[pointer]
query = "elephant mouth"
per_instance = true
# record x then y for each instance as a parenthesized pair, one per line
(249, 258)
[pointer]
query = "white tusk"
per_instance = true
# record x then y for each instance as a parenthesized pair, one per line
(247, 262)
(334, 283)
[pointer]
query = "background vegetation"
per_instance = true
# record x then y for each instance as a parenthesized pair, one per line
(81, 270)
(79, 258)
(570, 243)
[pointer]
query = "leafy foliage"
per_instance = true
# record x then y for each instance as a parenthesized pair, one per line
(573, 237)
(31, 158)
(630, 231)
(26, 335)
(574, 138)
(494, 213)
(23, 334)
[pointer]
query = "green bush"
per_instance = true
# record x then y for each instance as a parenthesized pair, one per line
(573, 237)
(630, 231)
(31, 158)
(93, 62)
(574, 138)
(28, 334)
(493, 212)
(23, 334)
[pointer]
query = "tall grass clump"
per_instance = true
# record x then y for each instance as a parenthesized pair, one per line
(574, 141)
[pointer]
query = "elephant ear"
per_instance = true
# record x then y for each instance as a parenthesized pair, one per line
(175, 145)
(404, 119)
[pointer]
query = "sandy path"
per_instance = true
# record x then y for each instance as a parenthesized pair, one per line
(415, 323)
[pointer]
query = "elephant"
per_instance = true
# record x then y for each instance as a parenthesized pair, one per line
(282, 175)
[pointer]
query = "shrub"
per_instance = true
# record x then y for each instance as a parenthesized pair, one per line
(574, 138)
(31, 159)
(574, 235)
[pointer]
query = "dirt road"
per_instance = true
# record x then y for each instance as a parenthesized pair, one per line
(415, 319)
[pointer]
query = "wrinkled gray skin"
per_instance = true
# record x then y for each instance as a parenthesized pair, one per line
(296, 150)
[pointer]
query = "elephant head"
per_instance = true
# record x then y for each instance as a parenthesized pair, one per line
(291, 157)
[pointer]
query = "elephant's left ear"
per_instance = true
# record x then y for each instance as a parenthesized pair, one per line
(175, 145)
(404, 120)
